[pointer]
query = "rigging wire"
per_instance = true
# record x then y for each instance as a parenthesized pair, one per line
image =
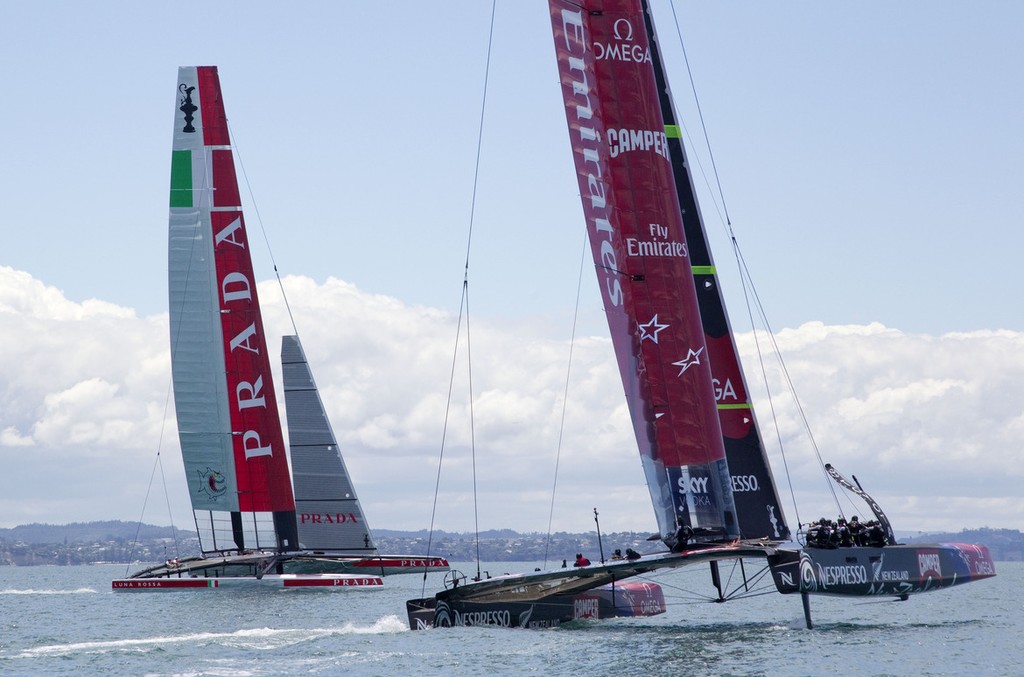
(464, 309)
(259, 220)
(565, 394)
(273, 261)
(750, 292)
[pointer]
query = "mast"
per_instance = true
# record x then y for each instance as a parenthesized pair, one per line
(228, 421)
(757, 499)
(643, 264)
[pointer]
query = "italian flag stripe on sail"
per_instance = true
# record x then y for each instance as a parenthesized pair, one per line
(181, 178)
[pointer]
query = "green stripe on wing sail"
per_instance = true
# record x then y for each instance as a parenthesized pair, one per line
(181, 178)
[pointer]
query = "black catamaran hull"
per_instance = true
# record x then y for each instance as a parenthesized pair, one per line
(896, 570)
(624, 599)
(550, 598)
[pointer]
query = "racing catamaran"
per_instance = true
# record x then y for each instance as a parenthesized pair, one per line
(253, 530)
(711, 486)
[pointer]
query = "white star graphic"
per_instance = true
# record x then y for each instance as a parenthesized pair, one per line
(645, 329)
(691, 359)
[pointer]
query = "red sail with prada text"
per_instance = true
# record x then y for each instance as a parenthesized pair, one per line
(642, 260)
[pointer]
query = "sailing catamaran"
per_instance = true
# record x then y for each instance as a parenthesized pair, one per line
(253, 530)
(711, 486)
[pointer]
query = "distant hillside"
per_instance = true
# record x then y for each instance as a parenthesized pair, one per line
(88, 532)
(1005, 544)
(117, 541)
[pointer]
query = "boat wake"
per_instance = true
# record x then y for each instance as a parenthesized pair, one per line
(32, 591)
(248, 639)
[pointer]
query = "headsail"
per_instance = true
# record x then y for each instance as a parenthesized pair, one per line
(329, 514)
(643, 262)
(228, 422)
(757, 499)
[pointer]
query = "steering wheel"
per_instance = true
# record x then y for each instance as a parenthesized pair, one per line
(453, 579)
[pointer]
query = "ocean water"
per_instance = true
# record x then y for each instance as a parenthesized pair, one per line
(66, 620)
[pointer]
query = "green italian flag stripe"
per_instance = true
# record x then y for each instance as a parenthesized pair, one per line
(673, 132)
(181, 178)
(704, 270)
(745, 405)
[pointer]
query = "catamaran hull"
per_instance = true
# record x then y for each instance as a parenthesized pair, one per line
(385, 565)
(312, 565)
(896, 570)
(625, 599)
(279, 581)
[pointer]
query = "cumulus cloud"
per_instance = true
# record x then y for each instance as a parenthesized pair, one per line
(929, 424)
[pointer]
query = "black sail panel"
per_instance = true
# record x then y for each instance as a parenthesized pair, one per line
(756, 496)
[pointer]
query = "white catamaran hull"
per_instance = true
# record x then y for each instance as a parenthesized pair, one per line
(279, 581)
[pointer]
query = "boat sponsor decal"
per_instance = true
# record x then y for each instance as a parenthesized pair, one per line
(212, 483)
(442, 615)
(658, 245)
(692, 358)
(378, 562)
(586, 125)
(265, 485)
(775, 522)
(328, 518)
(651, 607)
(745, 483)
(891, 576)
(622, 141)
(815, 577)
(650, 329)
(332, 581)
(929, 564)
(724, 390)
(692, 493)
(586, 606)
(842, 574)
(164, 583)
(976, 559)
(622, 47)
(500, 617)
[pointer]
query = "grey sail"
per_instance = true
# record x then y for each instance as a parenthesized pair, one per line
(327, 509)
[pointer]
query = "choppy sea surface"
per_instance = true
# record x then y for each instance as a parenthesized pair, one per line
(66, 620)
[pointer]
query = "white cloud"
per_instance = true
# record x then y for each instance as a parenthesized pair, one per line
(929, 424)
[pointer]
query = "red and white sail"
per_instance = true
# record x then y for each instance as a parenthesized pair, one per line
(228, 421)
(642, 259)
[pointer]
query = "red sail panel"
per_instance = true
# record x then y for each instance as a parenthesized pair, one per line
(261, 465)
(215, 122)
(639, 247)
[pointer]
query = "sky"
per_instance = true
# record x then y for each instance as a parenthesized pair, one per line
(871, 162)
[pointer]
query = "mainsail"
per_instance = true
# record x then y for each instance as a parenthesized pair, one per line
(329, 514)
(753, 485)
(643, 263)
(228, 421)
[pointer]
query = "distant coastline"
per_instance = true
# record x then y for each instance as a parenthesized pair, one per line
(125, 542)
